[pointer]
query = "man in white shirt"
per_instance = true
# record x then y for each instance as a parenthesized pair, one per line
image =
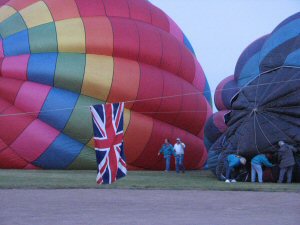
(179, 152)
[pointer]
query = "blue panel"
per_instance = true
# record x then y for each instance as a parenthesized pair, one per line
(188, 44)
(16, 44)
(207, 93)
(60, 154)
(280, 36)
(12, 25)
(207, 143)
(253, 48)
(249, 71)
(293, 59)
(41, 68)
(58, 107)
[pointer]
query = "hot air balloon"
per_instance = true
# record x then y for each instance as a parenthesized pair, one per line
(58, 57)
(265, 106)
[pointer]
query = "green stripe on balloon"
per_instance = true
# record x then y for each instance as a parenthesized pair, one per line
(80, 125)
(43, 38)
(12, 25)
(85, 161)
(69, 71)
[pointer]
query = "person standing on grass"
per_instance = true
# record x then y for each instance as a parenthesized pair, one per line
(179, 148)
(256, 166)
(168, 151)
(287, 161)
(233, 161)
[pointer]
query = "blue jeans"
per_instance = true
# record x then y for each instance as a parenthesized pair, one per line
(168, 162)
(228, 170)
(179, 163)
(256, 168)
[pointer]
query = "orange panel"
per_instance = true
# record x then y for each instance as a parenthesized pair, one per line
(125, 81)
(69, 10)
(99, 35)
(148, 158)
(137, 135)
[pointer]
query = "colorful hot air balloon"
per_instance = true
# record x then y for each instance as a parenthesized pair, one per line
(58, 57)
(264, 108)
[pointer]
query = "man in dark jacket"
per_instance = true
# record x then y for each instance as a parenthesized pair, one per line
(286, 161)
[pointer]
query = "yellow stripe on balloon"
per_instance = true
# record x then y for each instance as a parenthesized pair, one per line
(127, 115)
(6, 12)
(98, 76)
(36, 14)
(91, 143)
(70, 35)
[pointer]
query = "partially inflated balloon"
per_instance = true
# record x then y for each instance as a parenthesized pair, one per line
(265, 109)
(58, 57)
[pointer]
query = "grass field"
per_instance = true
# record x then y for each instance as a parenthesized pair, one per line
(196, 180)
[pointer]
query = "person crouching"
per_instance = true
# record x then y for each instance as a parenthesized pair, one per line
(231, 162)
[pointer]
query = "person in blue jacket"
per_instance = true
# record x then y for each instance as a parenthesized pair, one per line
(167, 150)
(233, 161)
(256, 166)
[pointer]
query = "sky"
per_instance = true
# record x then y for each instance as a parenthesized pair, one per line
(219, 30)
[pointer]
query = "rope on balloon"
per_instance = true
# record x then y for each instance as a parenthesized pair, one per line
(255, 106)
(159, 98)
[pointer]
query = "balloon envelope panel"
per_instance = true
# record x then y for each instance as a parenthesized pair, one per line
(266, 108)
(56, 63)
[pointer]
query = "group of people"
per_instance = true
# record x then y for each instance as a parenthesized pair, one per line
(285, 158)
(168, 150)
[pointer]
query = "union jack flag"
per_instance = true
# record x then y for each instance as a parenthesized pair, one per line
(108, 138)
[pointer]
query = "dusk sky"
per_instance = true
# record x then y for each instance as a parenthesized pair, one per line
(220, 30)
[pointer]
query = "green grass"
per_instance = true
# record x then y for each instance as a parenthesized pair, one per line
(191, 180)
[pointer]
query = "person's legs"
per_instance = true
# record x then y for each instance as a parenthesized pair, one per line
(281, 174)
(228, 172)
(289, 174)
(168, 160)
(182, 163)
(177, 159)
(253, 173)
(259, 173)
